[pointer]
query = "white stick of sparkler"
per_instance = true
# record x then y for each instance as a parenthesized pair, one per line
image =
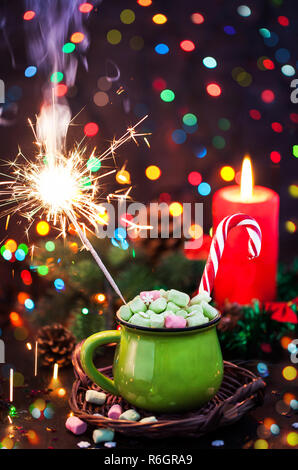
(95, 255)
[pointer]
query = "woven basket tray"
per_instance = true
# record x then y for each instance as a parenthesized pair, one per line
(240, 392)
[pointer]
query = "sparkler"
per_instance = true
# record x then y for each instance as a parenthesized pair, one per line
(63, 188)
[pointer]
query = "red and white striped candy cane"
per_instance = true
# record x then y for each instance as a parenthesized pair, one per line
(218, 244)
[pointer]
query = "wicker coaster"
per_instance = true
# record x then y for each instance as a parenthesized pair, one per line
(240, 392)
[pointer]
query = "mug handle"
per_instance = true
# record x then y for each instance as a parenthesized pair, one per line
(87, 352)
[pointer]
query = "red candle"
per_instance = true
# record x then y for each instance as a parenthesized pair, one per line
(240, 279)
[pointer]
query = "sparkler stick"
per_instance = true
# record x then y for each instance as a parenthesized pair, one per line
(99, 262)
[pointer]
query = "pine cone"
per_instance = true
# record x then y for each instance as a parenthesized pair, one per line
(55, 345)
(230, 315)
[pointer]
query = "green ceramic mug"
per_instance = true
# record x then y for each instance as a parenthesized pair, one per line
(162, 370)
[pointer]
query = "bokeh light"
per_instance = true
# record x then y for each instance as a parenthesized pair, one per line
(77, 37)
(159, 18)
(290, 226)
(210, 62)
(42, 228)
(175, 209)
(145, 3)
(197, 18)
(204, 189)
(227, 173)
(268, 96)
(161, 49)
(68, 48)
(85, 7)
(187, 45)
(289, 373)
(29, 15)
(30, 71)
(275, 156)
(91, 129)
(153, 172)
(114, 37)
(213, 89)
(127, 16)
(194, 178)
(61, 90)
(167, 95)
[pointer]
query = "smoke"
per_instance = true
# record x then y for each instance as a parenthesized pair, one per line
(54, 23)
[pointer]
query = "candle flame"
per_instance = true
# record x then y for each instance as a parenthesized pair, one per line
(246, 184)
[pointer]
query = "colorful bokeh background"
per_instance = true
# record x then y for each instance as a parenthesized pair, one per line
(214, 77)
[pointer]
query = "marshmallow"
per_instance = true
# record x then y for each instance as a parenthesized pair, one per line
(125, 312)
(172, 307)
(200, 297)
(196, 319)
(139, 320)
(209, 311)
(179, 298)
(157, 320)
(103, 435)
(149, 296)
(137, 305)
(114, 412)
(195, 308)
(130, 415)
(149, 419)
(98, 398)
(158, 305)
(175, 321)
(76, 425)
(181, 313)
(163, 293)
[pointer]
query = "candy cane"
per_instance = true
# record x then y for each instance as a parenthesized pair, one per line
(218, 244)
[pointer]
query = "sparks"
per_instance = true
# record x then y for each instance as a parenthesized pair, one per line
(62, 188)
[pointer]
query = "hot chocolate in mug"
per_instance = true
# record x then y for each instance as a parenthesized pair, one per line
(157, 369)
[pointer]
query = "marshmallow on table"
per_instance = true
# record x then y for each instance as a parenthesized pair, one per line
(157, 320)
(139, 320)
(137, 305)
(149, 419)
(114, 412)
(196, 319)
(200, 297)
(179, 298)
(76, 425)
(175, 321)
(125, 312)
(171, 307)
(97, 398)
(103, 435)
(158, 305)
(130, 415)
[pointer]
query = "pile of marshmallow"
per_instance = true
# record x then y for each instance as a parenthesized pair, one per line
(168, 309)
(104, 435)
